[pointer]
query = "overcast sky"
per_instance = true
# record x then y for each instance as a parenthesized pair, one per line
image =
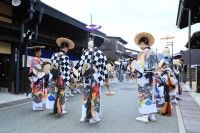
(125, 18)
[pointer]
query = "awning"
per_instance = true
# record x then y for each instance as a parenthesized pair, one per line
(50, 11)
(182, 16)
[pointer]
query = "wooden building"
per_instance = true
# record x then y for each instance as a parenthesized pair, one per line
(32, 23)
(113, 47)
(192, 6)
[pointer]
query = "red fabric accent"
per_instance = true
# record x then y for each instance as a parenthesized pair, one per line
(179, 89)
(170, 83)
(166, 109)
(60, 81)
(95, 89)
(169, 109)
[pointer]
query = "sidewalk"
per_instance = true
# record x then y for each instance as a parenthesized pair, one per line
(190, 109)
(195, 96)
(6, 97)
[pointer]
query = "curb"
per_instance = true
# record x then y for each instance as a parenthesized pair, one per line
(191, 92)
(194, 97)
(181, 125)
(16, 103)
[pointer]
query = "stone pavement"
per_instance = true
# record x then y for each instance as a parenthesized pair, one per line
(195, 96)
(118, 116)
(190, 109)
(6, 97)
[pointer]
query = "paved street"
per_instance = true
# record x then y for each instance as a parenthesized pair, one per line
(118, 116)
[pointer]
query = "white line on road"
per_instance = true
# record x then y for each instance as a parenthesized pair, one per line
(180, 120)
(14, 106)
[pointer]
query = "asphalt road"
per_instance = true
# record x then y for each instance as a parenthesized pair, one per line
(118, 116)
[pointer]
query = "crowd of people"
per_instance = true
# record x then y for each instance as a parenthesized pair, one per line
(53, 82)
(50, 80)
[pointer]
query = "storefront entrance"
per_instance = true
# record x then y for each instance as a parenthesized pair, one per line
(5, 67)
(5, 84)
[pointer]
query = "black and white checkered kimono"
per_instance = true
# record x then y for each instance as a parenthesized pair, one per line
(99, 61)
(92, 83)
(66, 71)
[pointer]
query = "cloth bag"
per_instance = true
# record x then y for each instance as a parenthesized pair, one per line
(50, 101)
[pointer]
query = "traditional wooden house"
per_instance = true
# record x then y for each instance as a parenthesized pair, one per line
(189, 14)
(33, 23)
(113, 47)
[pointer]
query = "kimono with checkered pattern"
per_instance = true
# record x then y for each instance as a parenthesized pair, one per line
(64, 78)
(92, 84)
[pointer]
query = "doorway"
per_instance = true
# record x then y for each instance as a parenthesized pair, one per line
(5, 73)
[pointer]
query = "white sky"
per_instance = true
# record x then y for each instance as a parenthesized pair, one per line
(125, 18)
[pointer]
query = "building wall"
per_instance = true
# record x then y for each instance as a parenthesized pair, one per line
(120, 47)
(5, 12)
(7, 51)
(5, 48)
(50, 28)
(109, 48)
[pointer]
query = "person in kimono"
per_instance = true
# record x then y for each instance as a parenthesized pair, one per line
(62, 74)
(168, 85)
(92, 69)
(177, 75)
(36, 75)
(110, 69)
(145, 68)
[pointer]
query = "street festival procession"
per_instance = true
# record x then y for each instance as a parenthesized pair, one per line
(59, 74)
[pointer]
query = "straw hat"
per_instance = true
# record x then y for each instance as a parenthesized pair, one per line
(177, 62)
(144, 34)
(162, 62)
(109, 67)
(60, 40)
(117, 63)
(47, 68)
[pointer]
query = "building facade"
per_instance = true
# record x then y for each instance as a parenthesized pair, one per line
(114, 47)
(29, 24)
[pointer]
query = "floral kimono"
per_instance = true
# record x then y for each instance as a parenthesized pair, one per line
(39, 93)
(168, 85)
(59, 81)
(145, 66)
(94, 58)
(170, 81)
(159, 92)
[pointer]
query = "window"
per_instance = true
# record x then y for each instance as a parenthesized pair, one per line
(120, 47)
